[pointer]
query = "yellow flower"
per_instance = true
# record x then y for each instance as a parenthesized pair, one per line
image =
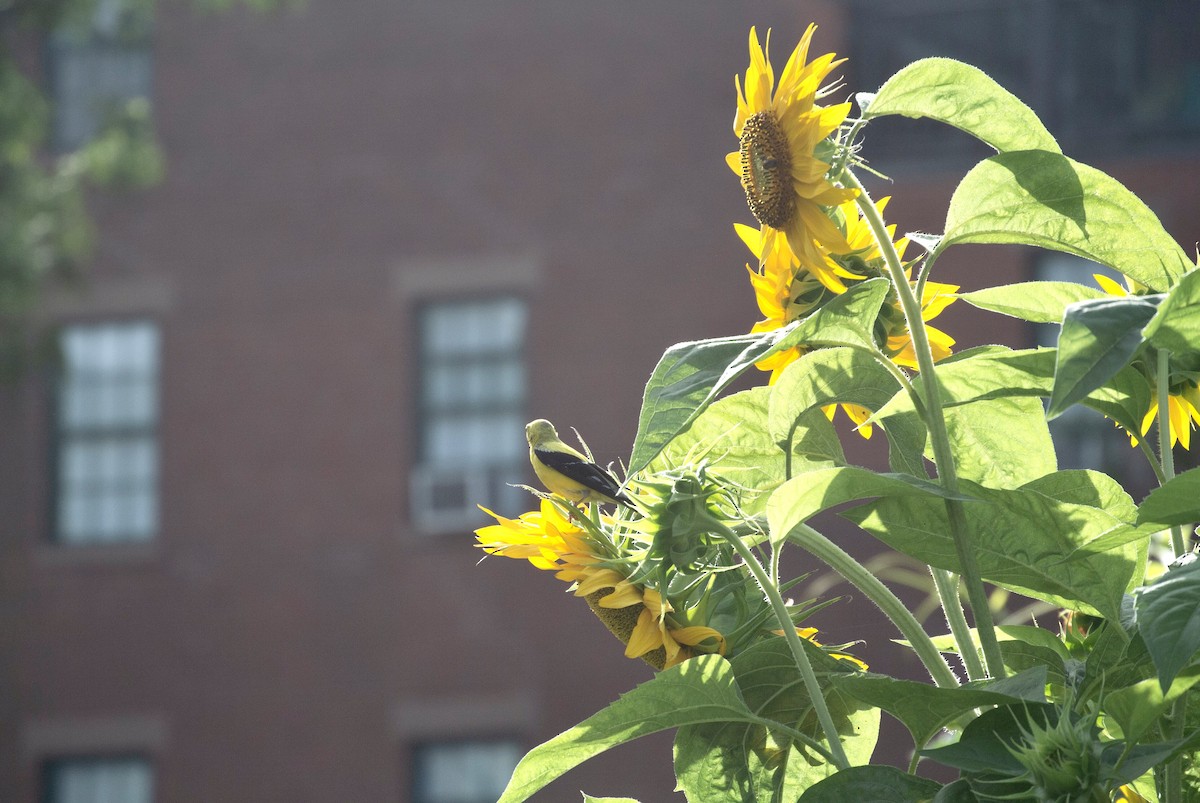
(934, 299)
(855, 413)
(1183, 410)
(652, 632)
(778, 128)
(1183, 402)
(862, 239)
(784, 294)
(624, 593)
(780, 293)
(545, 538)
(1127, 794)
(810, 633)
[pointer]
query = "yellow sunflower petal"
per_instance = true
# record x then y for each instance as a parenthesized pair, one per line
(734, 160)
(645, 636)
(1109, 286)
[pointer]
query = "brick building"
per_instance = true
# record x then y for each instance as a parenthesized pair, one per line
(235, 555)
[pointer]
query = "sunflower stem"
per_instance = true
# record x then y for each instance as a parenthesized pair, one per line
(793, 639)
(936, 422)
(1173, 776)
(1165, 452)
(857, 575)
(898, 373)
(946, 583)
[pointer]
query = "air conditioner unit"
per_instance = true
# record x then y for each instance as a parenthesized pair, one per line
(445, 498)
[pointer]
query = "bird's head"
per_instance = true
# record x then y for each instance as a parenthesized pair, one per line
(540, 431)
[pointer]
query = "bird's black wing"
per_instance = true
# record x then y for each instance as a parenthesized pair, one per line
(583, 472)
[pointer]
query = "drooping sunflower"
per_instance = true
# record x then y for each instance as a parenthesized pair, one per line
(786, 291)
(1183, 412)
(653, 632)
(1183, 399)
(935, 298)
(638, 616)
(782, 292)
(779, 127)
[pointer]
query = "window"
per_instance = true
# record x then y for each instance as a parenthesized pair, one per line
(1083, 438)
(106, 476)
(98, 780)
(462, 772)
(96, 66)
(1103, 77)
(472, 411)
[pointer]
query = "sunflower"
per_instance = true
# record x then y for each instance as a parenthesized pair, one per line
(1183, 399)
(935, 298)
(782, 294)
(810, 633)
(636, 615)
(778, 128)
(544, 537)
(653, 631)
(785, 292)
(1183, 411)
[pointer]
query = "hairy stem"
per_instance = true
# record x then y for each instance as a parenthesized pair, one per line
(822, 548)
(793, 639)
(946, 584)
(1173, 776)
(936, 422)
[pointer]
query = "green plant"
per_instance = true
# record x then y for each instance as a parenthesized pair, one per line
(1102, 710)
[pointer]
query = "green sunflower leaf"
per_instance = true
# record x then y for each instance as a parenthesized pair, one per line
(984, 746)
(1168, 618)
(731, 435)
(924, 709)
(1176, 501)
(1097, 340)
(730, 762)
(1022, 647)
(844, 375)
(700, 690)
(687, 378)
(1042, 198)
(589, 799)
(964, 97)
(1000, 443)
(1176, 325)
(801, 498)
(845, 320)
(993, 372)
(1024, 539)
(1037, 302)
(1136, 708)
(876, 783)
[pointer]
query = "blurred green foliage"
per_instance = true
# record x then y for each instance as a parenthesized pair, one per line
(46, 233)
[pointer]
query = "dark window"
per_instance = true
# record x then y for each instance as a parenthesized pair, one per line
(1103, 75)
(472, 385)
(98, 780)
(107, 445)
(462, 772)
(96, 66)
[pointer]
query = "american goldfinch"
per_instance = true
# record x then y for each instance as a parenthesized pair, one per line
(566, 472)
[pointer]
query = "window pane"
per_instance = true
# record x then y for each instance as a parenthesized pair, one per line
(466, 772)
(99, 781)
(108, 452)
(472, 407)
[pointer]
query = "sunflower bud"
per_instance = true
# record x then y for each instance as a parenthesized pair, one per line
(1061, 759)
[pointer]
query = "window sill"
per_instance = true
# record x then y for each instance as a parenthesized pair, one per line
(130, 553)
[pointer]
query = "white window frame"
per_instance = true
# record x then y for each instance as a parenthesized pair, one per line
(471, 395)
(106, 442)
